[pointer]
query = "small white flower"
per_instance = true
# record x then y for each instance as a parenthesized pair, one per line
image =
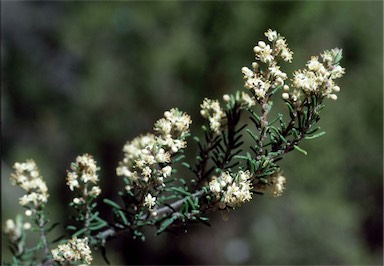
(167, 170)
(214, 186)
(76, 200)
(226, 98)
(271, 35)
(147, 172)
(95, 191)
(149, 201)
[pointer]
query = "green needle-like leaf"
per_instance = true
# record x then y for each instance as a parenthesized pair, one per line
(316, 135)
(300, 149)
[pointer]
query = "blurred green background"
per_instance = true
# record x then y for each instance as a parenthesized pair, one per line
(88, 76)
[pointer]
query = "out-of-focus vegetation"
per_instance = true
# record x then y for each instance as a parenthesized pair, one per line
(87, 76)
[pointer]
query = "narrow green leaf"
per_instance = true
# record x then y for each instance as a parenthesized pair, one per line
(79, 232)
(292, 113)
(316, 135)
(279, 116)
(178, 158)
(295, 134)
(52, 227)
(181, 190)
(276, 89)
(97, 226)
(256, 116)
(255, 138)
(204, 220)
(300, 149)
(96, 214)
(166, 223)
(122, 215)
(313, 130)
(112, 203)
(338, 56)
(71, 227)
(242, 157)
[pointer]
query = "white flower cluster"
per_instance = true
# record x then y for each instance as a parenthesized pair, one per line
(243, 98)
(260, 81)
(275, 185)
(83, 174)
(211, 110)
(147, 158)
(27, 177)
(76, 249)
(13, 229)
(318, 78)
(231, 190)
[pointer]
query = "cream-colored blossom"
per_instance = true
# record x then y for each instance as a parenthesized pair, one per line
(26, 176)
(247, 101)
(146, 157)
(149, 201)
(261, 81)
(84, 176)
(211, 110)
(271, 35)
(263, 52)
(75, 250)
(231, 190)
(167, 170)
(13, 229)
(174, 123)
(318, 78)
(95, 191)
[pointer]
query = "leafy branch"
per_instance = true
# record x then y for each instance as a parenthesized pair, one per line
(227, 171)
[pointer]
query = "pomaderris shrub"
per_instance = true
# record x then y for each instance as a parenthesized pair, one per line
(226, 172)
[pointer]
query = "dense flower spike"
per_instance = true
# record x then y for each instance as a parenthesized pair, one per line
(27, 177)
(14, 228)
(211, 110)
(231, 190)
(318, 78)
(75, 250)
(260, 80)
(84, 176)
(147, 159)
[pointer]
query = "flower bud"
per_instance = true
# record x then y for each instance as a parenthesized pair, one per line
(76, 200)
(27, 226)
(257, 49)
(333, 97)
(261, 44)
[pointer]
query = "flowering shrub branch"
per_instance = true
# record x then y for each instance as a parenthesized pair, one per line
(227, 172)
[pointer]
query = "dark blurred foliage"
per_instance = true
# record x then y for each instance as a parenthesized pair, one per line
(87, 76)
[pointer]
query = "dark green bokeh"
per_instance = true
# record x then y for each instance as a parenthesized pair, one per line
(87, 76)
